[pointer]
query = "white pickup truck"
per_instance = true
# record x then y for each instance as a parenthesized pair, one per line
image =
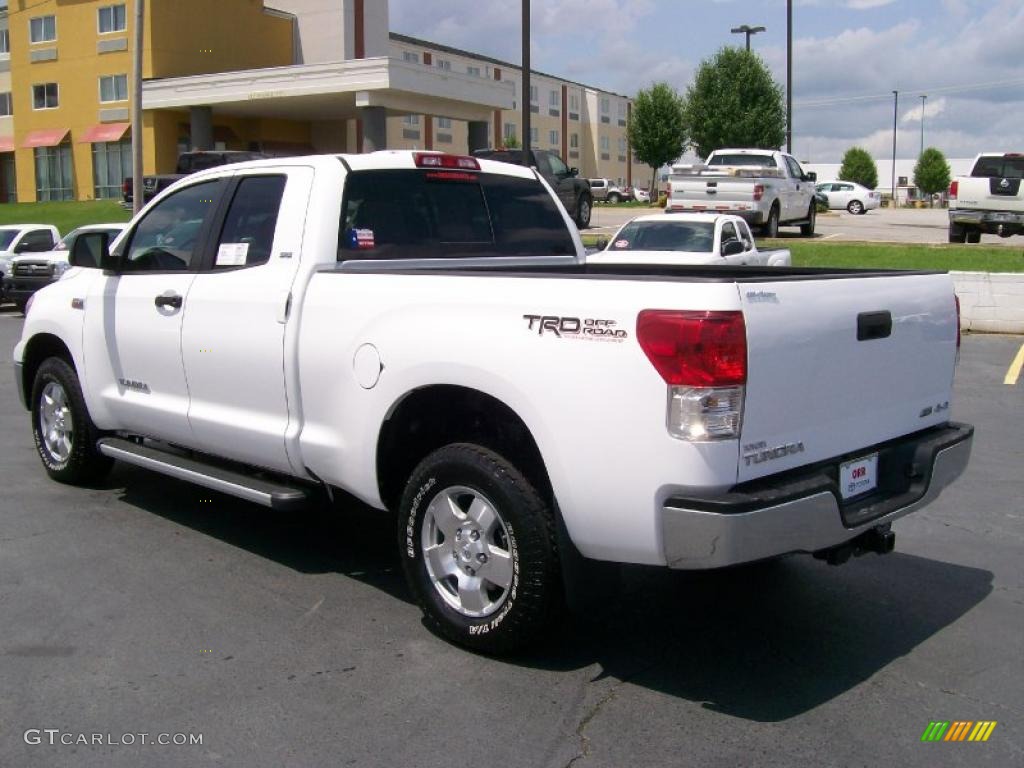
(768, 189)
(421, 331)
(990, 200)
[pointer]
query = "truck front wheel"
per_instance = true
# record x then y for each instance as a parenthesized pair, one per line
(807, 230)
(479, 550)
(584, 206)
(65, 436)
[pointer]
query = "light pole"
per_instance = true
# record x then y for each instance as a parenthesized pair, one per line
(747, 30)
(137, 188)
(789, 76)
(923, 97)
(527, 157)
(895, 111)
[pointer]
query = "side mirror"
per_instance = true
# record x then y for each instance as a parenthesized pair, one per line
(92, 250)
(573, 171)
(732, 248)
(812, 176)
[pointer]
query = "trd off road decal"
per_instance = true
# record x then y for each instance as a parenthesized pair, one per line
(587, 329)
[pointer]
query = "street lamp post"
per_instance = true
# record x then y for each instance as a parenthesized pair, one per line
(747, 30)
(138, 191)
(895, 111)
(527, 157)
(789, 76)
(923, 97)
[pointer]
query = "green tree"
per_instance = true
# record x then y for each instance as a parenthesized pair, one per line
(734, 102)
(656, 128)
(932, 172)
(511, 142)
(858, 166)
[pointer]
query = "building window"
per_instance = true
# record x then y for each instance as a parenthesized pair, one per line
(510, 131)
(555, 99)
(409, 56)
(473, 71)
(533, 94)
(574, 141)
(622, 109)
(113, 88)
(605, 144)
(444, 64)
(5, 42)
(54, 180)
(622, 146)
(111, 163)
(606, 105)
(553, 138)
(45, 96)
(444, 123)
(112, 19)
(534, 134)
(42, 29)
(574, 102)
(411, 120)
(6, 105)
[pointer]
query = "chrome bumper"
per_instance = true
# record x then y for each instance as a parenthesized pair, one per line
(988, 218)
(701, 534)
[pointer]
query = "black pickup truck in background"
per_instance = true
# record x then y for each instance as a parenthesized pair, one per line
(188, 163)
(573, 191)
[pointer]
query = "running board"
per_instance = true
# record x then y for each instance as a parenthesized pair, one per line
(264, 492)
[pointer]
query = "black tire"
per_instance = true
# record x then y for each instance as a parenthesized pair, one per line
(82, 464)
(973, 235)
(584, 208)
(957, 234)
(614, 197)
(771, 227)
(856, 207)
(807, 230)
(525, 533)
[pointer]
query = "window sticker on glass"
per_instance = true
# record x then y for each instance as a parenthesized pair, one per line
(232, 254)
(361, 239)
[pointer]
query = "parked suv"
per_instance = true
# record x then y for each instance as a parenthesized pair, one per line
(573, 191)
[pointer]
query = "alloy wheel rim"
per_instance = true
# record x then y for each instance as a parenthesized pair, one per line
(467, 551)
(55, 423)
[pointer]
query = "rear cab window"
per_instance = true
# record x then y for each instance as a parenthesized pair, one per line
(1008, 167)
(441, 213)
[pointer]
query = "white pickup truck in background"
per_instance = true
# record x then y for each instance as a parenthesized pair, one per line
(768, 189)
(421, 331)
(687, 238)
(990, 200)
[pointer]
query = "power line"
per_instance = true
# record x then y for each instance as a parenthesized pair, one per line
(887, 96)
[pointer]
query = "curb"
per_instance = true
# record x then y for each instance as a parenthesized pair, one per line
(990, 302)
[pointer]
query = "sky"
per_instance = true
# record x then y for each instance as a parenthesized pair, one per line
(966, 56)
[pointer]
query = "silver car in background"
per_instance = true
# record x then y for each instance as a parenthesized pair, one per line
(853, 197)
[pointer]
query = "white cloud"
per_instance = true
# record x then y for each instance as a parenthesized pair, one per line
(862, 5)
(932, 108)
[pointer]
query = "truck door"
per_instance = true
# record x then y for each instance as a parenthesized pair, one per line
(556, 173)
(133, 316)
(801, 191)
(233, 334)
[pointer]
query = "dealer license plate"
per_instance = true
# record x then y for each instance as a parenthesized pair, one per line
(858, 476)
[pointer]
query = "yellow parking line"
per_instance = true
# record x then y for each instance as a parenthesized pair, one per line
(1014, 371)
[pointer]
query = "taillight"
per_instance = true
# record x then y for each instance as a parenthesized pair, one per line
(702, 356)
(954, 188)
(957, 300)
(440, 160)
(758, 192)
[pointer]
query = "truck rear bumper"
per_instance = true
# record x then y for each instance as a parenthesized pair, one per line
(988, 221)
(802, 512)
(753, 217)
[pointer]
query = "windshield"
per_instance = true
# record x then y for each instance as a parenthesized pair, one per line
(414, 214)
(745, 161)
(690, 236)
(6, 238)
(1000, 167)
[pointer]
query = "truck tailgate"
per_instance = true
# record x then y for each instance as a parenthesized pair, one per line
(838, 365)
(994, 193)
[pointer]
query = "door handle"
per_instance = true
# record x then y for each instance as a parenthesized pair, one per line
(172, 300)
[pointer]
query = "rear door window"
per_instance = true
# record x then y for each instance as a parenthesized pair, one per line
(435, 214)
(247, 238)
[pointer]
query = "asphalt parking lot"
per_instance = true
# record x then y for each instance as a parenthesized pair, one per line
(148, 606)
(901, 225)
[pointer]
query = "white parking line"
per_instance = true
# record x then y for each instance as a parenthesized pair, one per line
(1013, 373)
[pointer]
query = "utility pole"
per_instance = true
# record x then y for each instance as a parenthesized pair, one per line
(789, 76)
(747, 30)
(923, 97)
(527, 147)
(137, 189)
(895, 113)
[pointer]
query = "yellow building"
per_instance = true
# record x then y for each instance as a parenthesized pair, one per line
(281, 76)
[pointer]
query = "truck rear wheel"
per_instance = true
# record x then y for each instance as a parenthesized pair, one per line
(807, 230)
(973, 235)
(65, 436)
(479, 550)
(957, 234)
(771, 227)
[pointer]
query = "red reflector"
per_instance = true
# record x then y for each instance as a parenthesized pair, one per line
(954, 187)
(697, 349)
(451, 176)
(439, 160)
(758, 192)
(957, 299)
